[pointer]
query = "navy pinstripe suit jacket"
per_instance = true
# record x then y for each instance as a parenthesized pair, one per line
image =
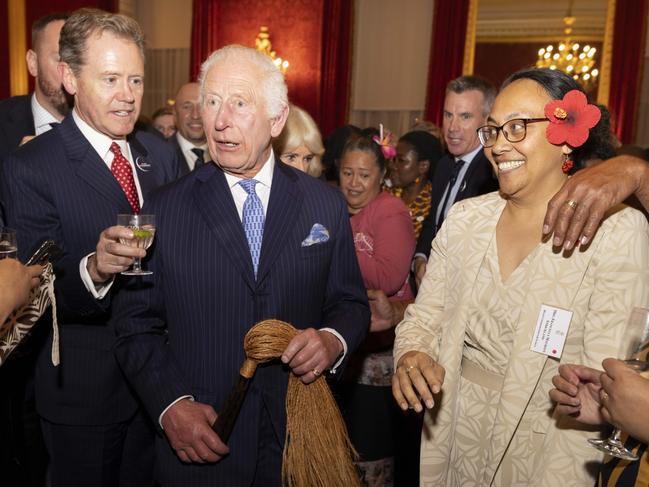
(57, 187)
(16, 121)
(181, 332)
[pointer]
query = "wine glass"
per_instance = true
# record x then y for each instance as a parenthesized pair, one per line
(633, 341)
(8, 243)
(143, 228)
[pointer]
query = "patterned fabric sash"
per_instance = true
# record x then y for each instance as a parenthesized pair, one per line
(14, 330)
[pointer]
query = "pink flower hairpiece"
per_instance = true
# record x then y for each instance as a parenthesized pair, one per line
(570, 119)
(385, 141)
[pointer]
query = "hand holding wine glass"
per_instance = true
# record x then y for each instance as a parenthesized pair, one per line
(634, 355)
(143, 228)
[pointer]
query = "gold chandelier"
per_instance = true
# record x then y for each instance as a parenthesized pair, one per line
(570, 57)
(263, 44)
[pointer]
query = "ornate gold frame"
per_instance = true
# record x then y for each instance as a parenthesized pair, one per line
(469, 43)
(606, 57)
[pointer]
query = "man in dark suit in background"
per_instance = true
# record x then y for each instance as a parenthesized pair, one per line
(27, 115)
(464, 172)
(189, 140)
(68, 185)
(243, 239)
(23, 460)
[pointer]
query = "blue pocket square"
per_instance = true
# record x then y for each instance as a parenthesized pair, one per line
(319, 234)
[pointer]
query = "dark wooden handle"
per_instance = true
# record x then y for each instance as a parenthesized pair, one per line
(224, 424)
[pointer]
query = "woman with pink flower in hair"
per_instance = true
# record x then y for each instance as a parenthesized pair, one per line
(500, 308)
(385, 242)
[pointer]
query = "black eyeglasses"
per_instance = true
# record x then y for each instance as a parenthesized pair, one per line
(514, 131)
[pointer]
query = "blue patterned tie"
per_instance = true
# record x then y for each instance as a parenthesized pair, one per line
(253, 220)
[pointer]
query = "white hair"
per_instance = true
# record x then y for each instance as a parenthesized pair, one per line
(273, 86)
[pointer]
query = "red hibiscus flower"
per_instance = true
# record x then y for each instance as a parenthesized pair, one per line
(570, 119)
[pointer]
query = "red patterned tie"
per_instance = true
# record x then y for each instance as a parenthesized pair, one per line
(123, 172)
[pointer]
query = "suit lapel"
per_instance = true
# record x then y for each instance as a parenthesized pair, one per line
(90, 167)
(283, 208)
(440, 180)
(476, 168)
(144, 167)
(215, 204)
(184, 167)
(24, 118)
(20, 120)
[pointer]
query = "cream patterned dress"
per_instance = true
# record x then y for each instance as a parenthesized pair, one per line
(494, 423)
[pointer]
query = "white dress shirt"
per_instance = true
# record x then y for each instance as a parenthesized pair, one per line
(101, 144)
(42, 118)
(468, 159)
(186, 146)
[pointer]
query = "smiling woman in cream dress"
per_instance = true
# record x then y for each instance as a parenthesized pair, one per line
(465, 342)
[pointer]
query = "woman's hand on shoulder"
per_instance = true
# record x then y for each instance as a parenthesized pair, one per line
(417, 378)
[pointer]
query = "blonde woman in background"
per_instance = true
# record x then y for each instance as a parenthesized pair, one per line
(300, 143)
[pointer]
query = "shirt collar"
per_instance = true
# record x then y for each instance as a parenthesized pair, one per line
(100, 142)
(186, 145)
(469, 156)
(42, 118)
(264, 176)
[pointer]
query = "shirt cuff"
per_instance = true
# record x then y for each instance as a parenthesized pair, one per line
(335, 366)
(97, 291)
(191, 398)
(414, 258)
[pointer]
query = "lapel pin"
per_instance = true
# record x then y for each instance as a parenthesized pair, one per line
(142, 164)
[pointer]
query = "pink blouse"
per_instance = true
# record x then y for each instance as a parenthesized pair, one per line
(385, 243)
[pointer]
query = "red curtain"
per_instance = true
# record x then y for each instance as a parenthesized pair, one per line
(336, 64)
(4, 52)
(447, 53)
(35, 9)
(626, 66)
(313, 35)
(205, 16)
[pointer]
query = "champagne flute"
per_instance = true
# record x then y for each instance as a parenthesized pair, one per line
(631, 352)
(8, 243)
(143, 228)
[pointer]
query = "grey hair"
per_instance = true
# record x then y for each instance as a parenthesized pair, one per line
(466, 83)
(273, 86)
(73, 42)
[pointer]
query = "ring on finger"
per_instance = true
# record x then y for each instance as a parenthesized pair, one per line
(410, 368)
(316, 372)
(572, 204)
(604, 396)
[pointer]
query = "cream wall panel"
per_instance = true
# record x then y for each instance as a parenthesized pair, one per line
(167, 24)
(391, 52)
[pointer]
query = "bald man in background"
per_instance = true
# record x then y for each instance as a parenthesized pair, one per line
(190, 141)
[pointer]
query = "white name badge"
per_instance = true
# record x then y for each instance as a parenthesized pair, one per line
(551, 331)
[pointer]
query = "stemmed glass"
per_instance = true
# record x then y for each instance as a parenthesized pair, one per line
(143, 227)
(633, 342)
(8, 245)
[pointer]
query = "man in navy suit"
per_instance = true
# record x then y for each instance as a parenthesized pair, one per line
(23, 459)
(69, 185)
(30, 115)
(464, 172)
(240, 240)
